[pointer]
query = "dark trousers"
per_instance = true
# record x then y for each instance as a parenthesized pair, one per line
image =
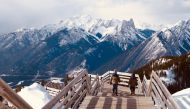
(132, 89)
(115, 88)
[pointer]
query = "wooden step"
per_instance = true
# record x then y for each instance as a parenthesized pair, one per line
(116, 98)
(105, 100)
(94, 102)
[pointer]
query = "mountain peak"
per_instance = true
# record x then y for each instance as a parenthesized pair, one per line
(129, 23)
(180, 22)
(132, 22)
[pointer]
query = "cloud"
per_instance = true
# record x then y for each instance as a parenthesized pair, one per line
(153, 11)
(15, 14)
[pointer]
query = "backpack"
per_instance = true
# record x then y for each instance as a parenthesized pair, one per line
(115, 79)
(133, 82)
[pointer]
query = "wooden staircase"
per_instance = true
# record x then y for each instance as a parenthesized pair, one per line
(105, 100)
(87, 91)
(93, 102)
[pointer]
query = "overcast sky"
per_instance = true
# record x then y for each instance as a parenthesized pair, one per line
(16, 14)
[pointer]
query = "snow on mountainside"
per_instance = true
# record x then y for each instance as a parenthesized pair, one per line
(167, 76)
(122, 32)
(175, 39)
(174, 73)
(143, 25)
(24, 37)
(173, 70)
(91, 43)
(168, 42)
(78, 42)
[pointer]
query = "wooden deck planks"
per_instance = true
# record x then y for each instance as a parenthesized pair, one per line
(105, 100)
(116, 103)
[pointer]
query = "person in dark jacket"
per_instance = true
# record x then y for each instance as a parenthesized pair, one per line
(115, 80)
(132, 83)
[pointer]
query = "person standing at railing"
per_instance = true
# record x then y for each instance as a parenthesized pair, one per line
(115, 80)
(132, 83)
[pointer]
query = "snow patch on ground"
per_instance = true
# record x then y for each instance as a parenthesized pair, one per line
(182, 98)
(182, 92)
(35, 95)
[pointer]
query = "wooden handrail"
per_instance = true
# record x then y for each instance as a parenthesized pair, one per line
(73, 93)
(139, 84)
(7, 92)
(159, 92)
(145, 86)
(69, 94)
(124, 77)
(95, 86)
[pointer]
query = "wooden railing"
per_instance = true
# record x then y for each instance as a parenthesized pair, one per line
(72, 94)
(69, 97)
(160, 94)
(124, 77)
(139, 84)
(75, 91)
(53, 88)
(145, 86)
(8, 94)
(95, 85)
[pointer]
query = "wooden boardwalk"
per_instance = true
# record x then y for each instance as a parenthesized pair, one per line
(94, 92)
(105, 100)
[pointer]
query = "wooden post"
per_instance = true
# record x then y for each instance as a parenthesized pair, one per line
(139, 84)
(88, 81)
(150, 83)
(110, 76)
(66, 79)
(98, 82)
(90, 78)
(65, 90)
(101, 84)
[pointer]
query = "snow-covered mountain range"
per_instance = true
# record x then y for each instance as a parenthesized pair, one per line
(122, 32)
(93, 43)
(166, 42)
